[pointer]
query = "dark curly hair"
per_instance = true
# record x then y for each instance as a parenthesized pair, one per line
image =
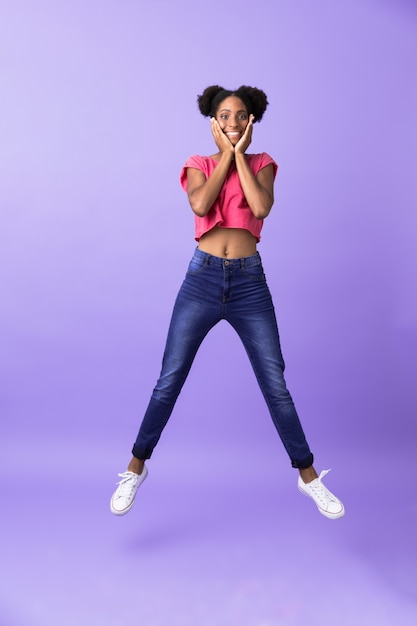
(253, 98)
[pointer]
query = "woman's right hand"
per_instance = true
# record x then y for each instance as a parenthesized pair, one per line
(222, 141)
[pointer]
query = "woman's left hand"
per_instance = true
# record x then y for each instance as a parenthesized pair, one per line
(245, 141)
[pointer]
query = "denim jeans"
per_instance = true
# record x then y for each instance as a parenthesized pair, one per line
(234, 290)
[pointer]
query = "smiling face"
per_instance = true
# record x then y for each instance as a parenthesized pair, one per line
(232, 116)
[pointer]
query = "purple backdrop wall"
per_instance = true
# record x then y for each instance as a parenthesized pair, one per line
(99, 115)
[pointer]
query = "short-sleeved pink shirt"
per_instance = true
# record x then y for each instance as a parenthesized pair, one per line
(230, 209)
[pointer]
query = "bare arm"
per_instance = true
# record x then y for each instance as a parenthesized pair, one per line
(258, 190)
(202, 191)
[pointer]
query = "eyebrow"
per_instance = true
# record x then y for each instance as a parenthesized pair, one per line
(229, 111)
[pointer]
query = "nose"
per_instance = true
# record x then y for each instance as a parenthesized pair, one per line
(234, 122)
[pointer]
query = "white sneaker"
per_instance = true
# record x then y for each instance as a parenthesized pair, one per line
(123, 498)
(325, 500)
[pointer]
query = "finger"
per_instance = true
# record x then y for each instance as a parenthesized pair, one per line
(214, 127)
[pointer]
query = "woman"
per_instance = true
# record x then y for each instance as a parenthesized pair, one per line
(231, 193)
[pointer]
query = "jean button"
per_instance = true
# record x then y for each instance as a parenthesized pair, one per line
(226, 263)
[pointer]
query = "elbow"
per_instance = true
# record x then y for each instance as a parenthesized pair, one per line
(199, 210)
(261, 212)
(262, 208)
(261, 215)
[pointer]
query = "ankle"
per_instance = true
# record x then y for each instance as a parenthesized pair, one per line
(308, 474)
(136, 466)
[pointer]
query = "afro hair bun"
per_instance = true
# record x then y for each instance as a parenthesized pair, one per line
(254, 99)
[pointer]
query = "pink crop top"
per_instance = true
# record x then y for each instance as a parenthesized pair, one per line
(230, 209)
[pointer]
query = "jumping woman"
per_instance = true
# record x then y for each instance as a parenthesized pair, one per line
(231, 193)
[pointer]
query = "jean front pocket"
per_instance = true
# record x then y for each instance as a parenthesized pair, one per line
(255, 272)
(196, 266)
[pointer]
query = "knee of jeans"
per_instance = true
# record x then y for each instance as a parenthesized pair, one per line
(279, 393)
(168, 387)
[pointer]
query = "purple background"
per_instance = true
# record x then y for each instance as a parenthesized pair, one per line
(98, 116)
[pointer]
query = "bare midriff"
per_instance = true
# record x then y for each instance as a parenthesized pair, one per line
(228, 243)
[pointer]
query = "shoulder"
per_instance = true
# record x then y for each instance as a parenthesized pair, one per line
(258, 161)
(203, 163)
(199, 162)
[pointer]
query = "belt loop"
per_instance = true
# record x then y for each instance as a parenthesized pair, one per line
(207, 259)
(242, 263)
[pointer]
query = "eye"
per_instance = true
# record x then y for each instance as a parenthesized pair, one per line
(243, 116)
(224, 116)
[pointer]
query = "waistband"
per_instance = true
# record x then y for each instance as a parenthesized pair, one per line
(209, 259)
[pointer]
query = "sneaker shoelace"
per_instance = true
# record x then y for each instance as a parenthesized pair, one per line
(126, 485)
(320, 490)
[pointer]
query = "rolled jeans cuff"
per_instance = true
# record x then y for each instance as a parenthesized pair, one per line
(307, 462)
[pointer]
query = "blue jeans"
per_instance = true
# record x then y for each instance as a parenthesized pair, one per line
(234, 290)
